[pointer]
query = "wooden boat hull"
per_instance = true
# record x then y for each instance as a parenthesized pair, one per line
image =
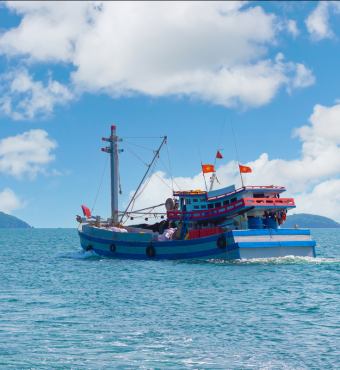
(240, 244)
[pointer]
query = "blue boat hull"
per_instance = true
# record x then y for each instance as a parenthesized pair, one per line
(241, 244)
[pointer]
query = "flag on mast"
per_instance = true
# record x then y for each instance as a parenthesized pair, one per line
(244, 169)
(208, 168)
(219, 155)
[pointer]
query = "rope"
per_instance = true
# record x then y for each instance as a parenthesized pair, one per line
(120, 186)
(139, 146)
(131, 151)
(142, 137)
(100, 184)
(167, 148)
(163, 181)
(170, 176)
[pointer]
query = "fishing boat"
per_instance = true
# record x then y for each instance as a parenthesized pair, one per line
(226, 224)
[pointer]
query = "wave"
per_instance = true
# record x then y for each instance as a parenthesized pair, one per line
(287, 260)
(81, 255)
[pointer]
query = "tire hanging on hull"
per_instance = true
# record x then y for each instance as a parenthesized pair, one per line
(150, 251)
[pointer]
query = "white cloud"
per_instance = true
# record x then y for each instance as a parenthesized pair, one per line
(26, 153)
(56, 173)
(304, 77)
(9, 201)
(312, 177)
(292, 28)
(317, 21)
(22, 98)
(324, 200)
(212, 51)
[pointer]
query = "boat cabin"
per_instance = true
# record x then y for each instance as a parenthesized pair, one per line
(248, 207)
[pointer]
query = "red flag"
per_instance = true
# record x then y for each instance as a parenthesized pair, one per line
(219, 155)
(208, 168)
(86, 211)
(245, 169)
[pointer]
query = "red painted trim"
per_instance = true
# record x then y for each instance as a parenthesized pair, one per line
(232, 207)
(204, 193)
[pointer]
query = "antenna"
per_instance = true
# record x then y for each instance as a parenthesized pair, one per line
(231, 121)
(201, 167)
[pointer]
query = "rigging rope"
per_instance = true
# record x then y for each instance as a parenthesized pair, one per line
(170, 176)
(139, 145)
(100, 184)
(131, 151)
(142, 137)
(167, 148)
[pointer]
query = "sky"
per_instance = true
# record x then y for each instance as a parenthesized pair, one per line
(70, 70)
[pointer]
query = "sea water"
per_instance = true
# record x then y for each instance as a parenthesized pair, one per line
(61, 308)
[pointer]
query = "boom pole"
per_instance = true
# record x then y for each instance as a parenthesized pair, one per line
(157, 153)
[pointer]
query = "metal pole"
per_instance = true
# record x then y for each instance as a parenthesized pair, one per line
(114, 174)
(157, 153)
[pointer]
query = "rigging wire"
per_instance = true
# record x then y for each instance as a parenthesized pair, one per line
(232, 128)
(172, 179)
(120, 186)
(125, 141)
(164, 182)
(170, 175)
(142, 137)
(132, 152)
(219, 142)
(100, 184)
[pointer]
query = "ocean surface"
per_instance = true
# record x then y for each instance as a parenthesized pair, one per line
(61, 308)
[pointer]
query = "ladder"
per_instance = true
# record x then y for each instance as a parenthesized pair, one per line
(184, 225)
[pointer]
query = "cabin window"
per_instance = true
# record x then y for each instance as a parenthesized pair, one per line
(258, 195)
(202, 199)
(225, 202)
(196, 207)
(188, 201)
(233, 200)
(210, 206)
(203, 207)
(218, 204)
(204, 214)
(195, 200)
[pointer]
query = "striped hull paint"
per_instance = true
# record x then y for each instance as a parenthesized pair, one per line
(241, 244)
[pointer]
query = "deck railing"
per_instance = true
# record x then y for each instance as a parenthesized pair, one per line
(198, 193)
(270, 203)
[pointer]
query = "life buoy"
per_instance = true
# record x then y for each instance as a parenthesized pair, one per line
(89, 248)
(150, 251)
(222, 242)
(112, 248)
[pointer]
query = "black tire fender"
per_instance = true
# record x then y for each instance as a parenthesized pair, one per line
(89, 248)
(222, 241)
(112, 248)
(150, 251)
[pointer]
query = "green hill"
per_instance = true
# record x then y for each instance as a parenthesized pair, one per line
(11, 222)
(307, 221)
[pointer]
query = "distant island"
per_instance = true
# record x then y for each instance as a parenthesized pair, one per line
(308, 221)
(11, 222)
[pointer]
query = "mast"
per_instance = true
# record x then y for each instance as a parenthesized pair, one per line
(113, 150)
(212, 179)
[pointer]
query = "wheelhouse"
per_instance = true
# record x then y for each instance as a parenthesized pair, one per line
(235, 208)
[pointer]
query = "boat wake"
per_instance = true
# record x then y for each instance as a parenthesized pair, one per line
(81, 255)
(288, 260)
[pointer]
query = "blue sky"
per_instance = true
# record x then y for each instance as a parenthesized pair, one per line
(71, 70)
